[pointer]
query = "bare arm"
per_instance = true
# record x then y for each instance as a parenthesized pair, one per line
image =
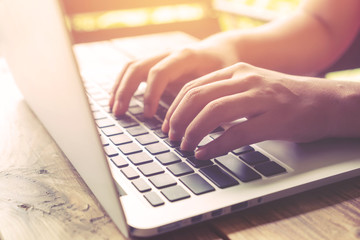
(305, 42)
(277, 106)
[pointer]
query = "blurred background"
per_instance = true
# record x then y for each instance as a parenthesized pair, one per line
(94, 20)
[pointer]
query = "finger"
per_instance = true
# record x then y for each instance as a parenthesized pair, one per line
(117, 83)
(248, 132)
(167, 70)
(195, 100)
(206, 79)
(133, 76)
(219, 111)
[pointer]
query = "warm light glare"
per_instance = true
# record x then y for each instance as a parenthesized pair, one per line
(137, 17)
(131, 18)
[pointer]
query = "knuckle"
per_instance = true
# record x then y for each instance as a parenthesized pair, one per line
(192, 95)
(242, 66)
(134, 66)
(155, 72)
(191, 134)
(174, 121)
(186, 52)
(188, 86)
(215, 106)
(121, 96)
(253, 79)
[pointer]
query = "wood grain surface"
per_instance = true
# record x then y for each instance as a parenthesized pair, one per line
(42, 196)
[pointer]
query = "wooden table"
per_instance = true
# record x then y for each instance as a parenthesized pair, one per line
(42, 196)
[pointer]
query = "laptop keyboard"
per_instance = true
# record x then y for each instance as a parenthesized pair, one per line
(157, 167)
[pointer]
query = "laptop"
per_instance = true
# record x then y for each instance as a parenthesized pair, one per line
(143, 181)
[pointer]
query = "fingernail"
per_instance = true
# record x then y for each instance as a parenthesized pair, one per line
(186, 145)
(111, 103)
(201, 153)
(174, 136)
(117, 108)
(147, 110)
(165, 126)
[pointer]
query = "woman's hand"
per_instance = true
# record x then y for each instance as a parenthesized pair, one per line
(276, 106)
(179, 66)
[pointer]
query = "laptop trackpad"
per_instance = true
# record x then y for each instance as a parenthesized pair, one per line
(312, 155)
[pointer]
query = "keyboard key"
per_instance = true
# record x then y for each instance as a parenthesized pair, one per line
(141, 185)
(153, 199)
(94, 108)
(147, 139)
(106, 122)
(119, 161)
(243, 149)
(110, 151)
(104, 140)
(150, 169)
(172, 144)
(106, 108)
(157, 148)
(270, 168)
(152, 123)
(129, 148)
(205, 141)
(161, 112)
(139, 97)
(196, 184)
(253, 158)
(175, 193)
(126, 121)
(120, 139)
(103, 102)
(219, 176)
(215, 135)
(184, 153)
(129, 173)
(133, 103)
(168, 158)
(180, 169)
(160, 133)
(112, 130)
(140, 117)
(136, 110)
(136, 131)
(162, 180)
(140, 158)
(237, 168)
(218, 129)
(198, 163)
(167, 97)
(99, 115)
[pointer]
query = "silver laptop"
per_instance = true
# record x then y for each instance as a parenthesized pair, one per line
(144, 182)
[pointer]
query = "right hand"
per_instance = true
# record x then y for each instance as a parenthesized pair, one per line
(179, 67)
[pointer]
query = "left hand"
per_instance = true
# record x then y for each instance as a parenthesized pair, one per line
(276, 106)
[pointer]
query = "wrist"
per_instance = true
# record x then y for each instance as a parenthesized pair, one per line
(346, 114)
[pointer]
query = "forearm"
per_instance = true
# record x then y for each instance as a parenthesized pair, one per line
(303, 43)
(346, 118)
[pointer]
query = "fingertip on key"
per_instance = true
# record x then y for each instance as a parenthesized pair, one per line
(117, 108)
(201, 153)
(165, 126)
